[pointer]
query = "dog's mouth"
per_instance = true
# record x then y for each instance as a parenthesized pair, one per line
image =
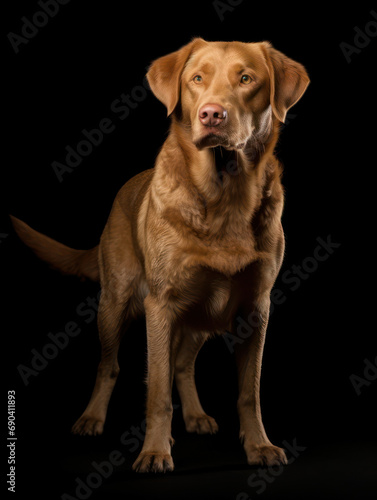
(211, 139)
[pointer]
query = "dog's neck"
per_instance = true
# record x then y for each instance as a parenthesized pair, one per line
(217, 170)
(227, 186)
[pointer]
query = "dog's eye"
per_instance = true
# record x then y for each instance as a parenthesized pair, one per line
(197, 79)
(246, 79)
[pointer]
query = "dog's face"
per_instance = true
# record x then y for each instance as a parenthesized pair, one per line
(226, 93)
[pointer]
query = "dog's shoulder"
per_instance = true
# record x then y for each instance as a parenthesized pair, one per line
(131, 194)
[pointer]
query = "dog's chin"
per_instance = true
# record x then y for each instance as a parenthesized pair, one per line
(213, 140)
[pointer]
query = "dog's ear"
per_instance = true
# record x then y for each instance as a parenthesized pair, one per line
(288, 80)
(164, 74)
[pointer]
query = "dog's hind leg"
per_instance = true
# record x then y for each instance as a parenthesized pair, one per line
(120, 273)
(113, 319)
(196, 420)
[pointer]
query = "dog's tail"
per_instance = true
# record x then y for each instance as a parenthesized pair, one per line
(82, 263)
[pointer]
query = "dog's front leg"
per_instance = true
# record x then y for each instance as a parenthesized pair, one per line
(155, 455)
(258, 448)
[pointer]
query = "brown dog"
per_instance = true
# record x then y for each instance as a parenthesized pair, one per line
(197, 242)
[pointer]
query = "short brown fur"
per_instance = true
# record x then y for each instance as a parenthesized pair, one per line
(195, 243)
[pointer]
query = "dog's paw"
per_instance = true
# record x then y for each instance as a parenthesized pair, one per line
(265, 455)
(202, 424)
(87, 425)
(151, 461)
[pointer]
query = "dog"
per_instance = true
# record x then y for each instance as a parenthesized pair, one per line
(196, 242)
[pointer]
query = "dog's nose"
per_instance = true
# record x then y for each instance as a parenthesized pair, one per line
(212, 115)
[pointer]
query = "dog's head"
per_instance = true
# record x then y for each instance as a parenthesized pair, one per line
(225, 93)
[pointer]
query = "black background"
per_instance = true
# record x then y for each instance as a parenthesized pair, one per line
(64, 80)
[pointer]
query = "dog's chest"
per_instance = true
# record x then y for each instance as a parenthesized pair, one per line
(205, 299)
(227, 255)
